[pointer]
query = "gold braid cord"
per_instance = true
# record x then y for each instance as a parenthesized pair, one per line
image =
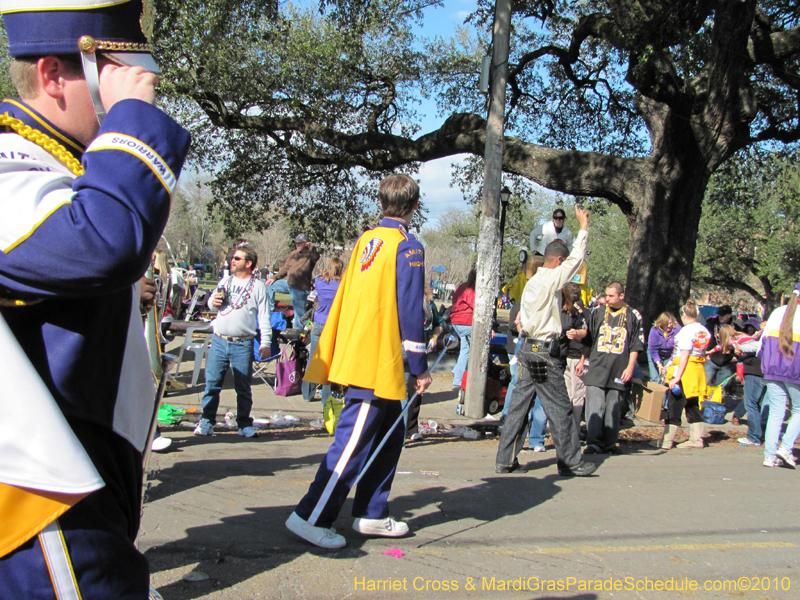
(43, 140)
(10, 302)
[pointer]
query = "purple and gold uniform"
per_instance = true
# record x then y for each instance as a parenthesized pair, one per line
(378, 311)
(79, 227)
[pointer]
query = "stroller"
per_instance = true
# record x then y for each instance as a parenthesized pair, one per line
(498, 374)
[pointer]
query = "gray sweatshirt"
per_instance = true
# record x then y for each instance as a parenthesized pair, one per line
(255, 314)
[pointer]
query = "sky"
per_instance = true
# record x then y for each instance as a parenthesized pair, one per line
(434, 176)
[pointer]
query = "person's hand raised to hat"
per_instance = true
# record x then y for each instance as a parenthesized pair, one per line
(124, 83)
(583, 217)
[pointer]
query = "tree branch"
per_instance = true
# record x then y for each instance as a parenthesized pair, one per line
(728, 282)
(568, 171)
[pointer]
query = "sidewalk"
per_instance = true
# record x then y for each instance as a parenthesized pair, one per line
(713, 518)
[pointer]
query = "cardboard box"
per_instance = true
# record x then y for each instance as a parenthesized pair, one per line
(648, 398)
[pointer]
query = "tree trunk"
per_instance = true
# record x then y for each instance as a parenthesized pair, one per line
(665, 222)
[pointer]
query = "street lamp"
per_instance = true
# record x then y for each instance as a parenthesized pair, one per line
(505, 196)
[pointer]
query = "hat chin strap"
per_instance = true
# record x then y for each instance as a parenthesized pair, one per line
(92, 75)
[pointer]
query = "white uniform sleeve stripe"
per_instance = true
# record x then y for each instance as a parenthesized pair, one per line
(126, 143)
(417, 347)
(8, 6)
(358, 429)
(58, 562)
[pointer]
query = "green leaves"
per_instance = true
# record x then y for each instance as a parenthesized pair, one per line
(748, 236)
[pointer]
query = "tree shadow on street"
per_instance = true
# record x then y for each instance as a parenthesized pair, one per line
(184, 476)
(240, 547)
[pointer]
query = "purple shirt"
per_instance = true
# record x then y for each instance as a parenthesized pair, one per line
(326, 292)
(661, 346)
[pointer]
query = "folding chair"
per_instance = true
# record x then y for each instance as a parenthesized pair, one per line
(198, 347)
(199, 297)
(278, 323)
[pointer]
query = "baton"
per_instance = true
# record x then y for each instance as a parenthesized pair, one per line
(167, 362)
(449, 342)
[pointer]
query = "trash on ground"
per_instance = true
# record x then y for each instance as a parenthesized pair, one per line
(169, 415)
(465, 432)
(396, 552)
(317, 424)
(429, 428)
(404, 472)
(194, 576)
(431, 473)
(281, 421)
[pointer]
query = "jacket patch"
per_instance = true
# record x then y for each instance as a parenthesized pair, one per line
(370, 253)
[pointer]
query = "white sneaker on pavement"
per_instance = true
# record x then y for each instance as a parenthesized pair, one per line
(160, 443)
(745, 442)
(248, 432)
(204, 427)
(772, 461)
(539, 449)
(387, 527)
(787, 456)
(323, 537)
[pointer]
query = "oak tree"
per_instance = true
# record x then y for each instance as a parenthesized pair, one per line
(635, 101)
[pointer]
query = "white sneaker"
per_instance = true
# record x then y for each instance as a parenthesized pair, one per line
(745, 442)
(539, 449)
(248, 432)
(160, 443)
(787, 456)
(415, 437)
(772, 461)
(384, 527)
(204, 427)
(319, 536)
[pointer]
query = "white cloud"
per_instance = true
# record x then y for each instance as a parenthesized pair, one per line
(434, 181)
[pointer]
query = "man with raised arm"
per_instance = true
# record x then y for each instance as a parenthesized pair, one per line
(541, 365)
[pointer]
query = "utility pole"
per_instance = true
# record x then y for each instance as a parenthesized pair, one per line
(489, 242)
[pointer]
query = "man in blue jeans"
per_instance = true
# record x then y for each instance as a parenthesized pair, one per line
(295, 277)
(243, 307)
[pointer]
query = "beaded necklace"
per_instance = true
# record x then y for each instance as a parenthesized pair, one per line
(623, 308)
(242, 298)
(44, 141)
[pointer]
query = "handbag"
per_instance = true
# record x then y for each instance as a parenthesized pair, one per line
(331, 411)
(288, 372)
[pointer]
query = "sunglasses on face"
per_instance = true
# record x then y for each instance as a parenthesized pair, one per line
(236, 258)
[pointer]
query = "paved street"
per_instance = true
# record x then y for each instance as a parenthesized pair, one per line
(713, 517)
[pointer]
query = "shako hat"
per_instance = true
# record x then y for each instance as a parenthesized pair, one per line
(82, 27)
(112, 27)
